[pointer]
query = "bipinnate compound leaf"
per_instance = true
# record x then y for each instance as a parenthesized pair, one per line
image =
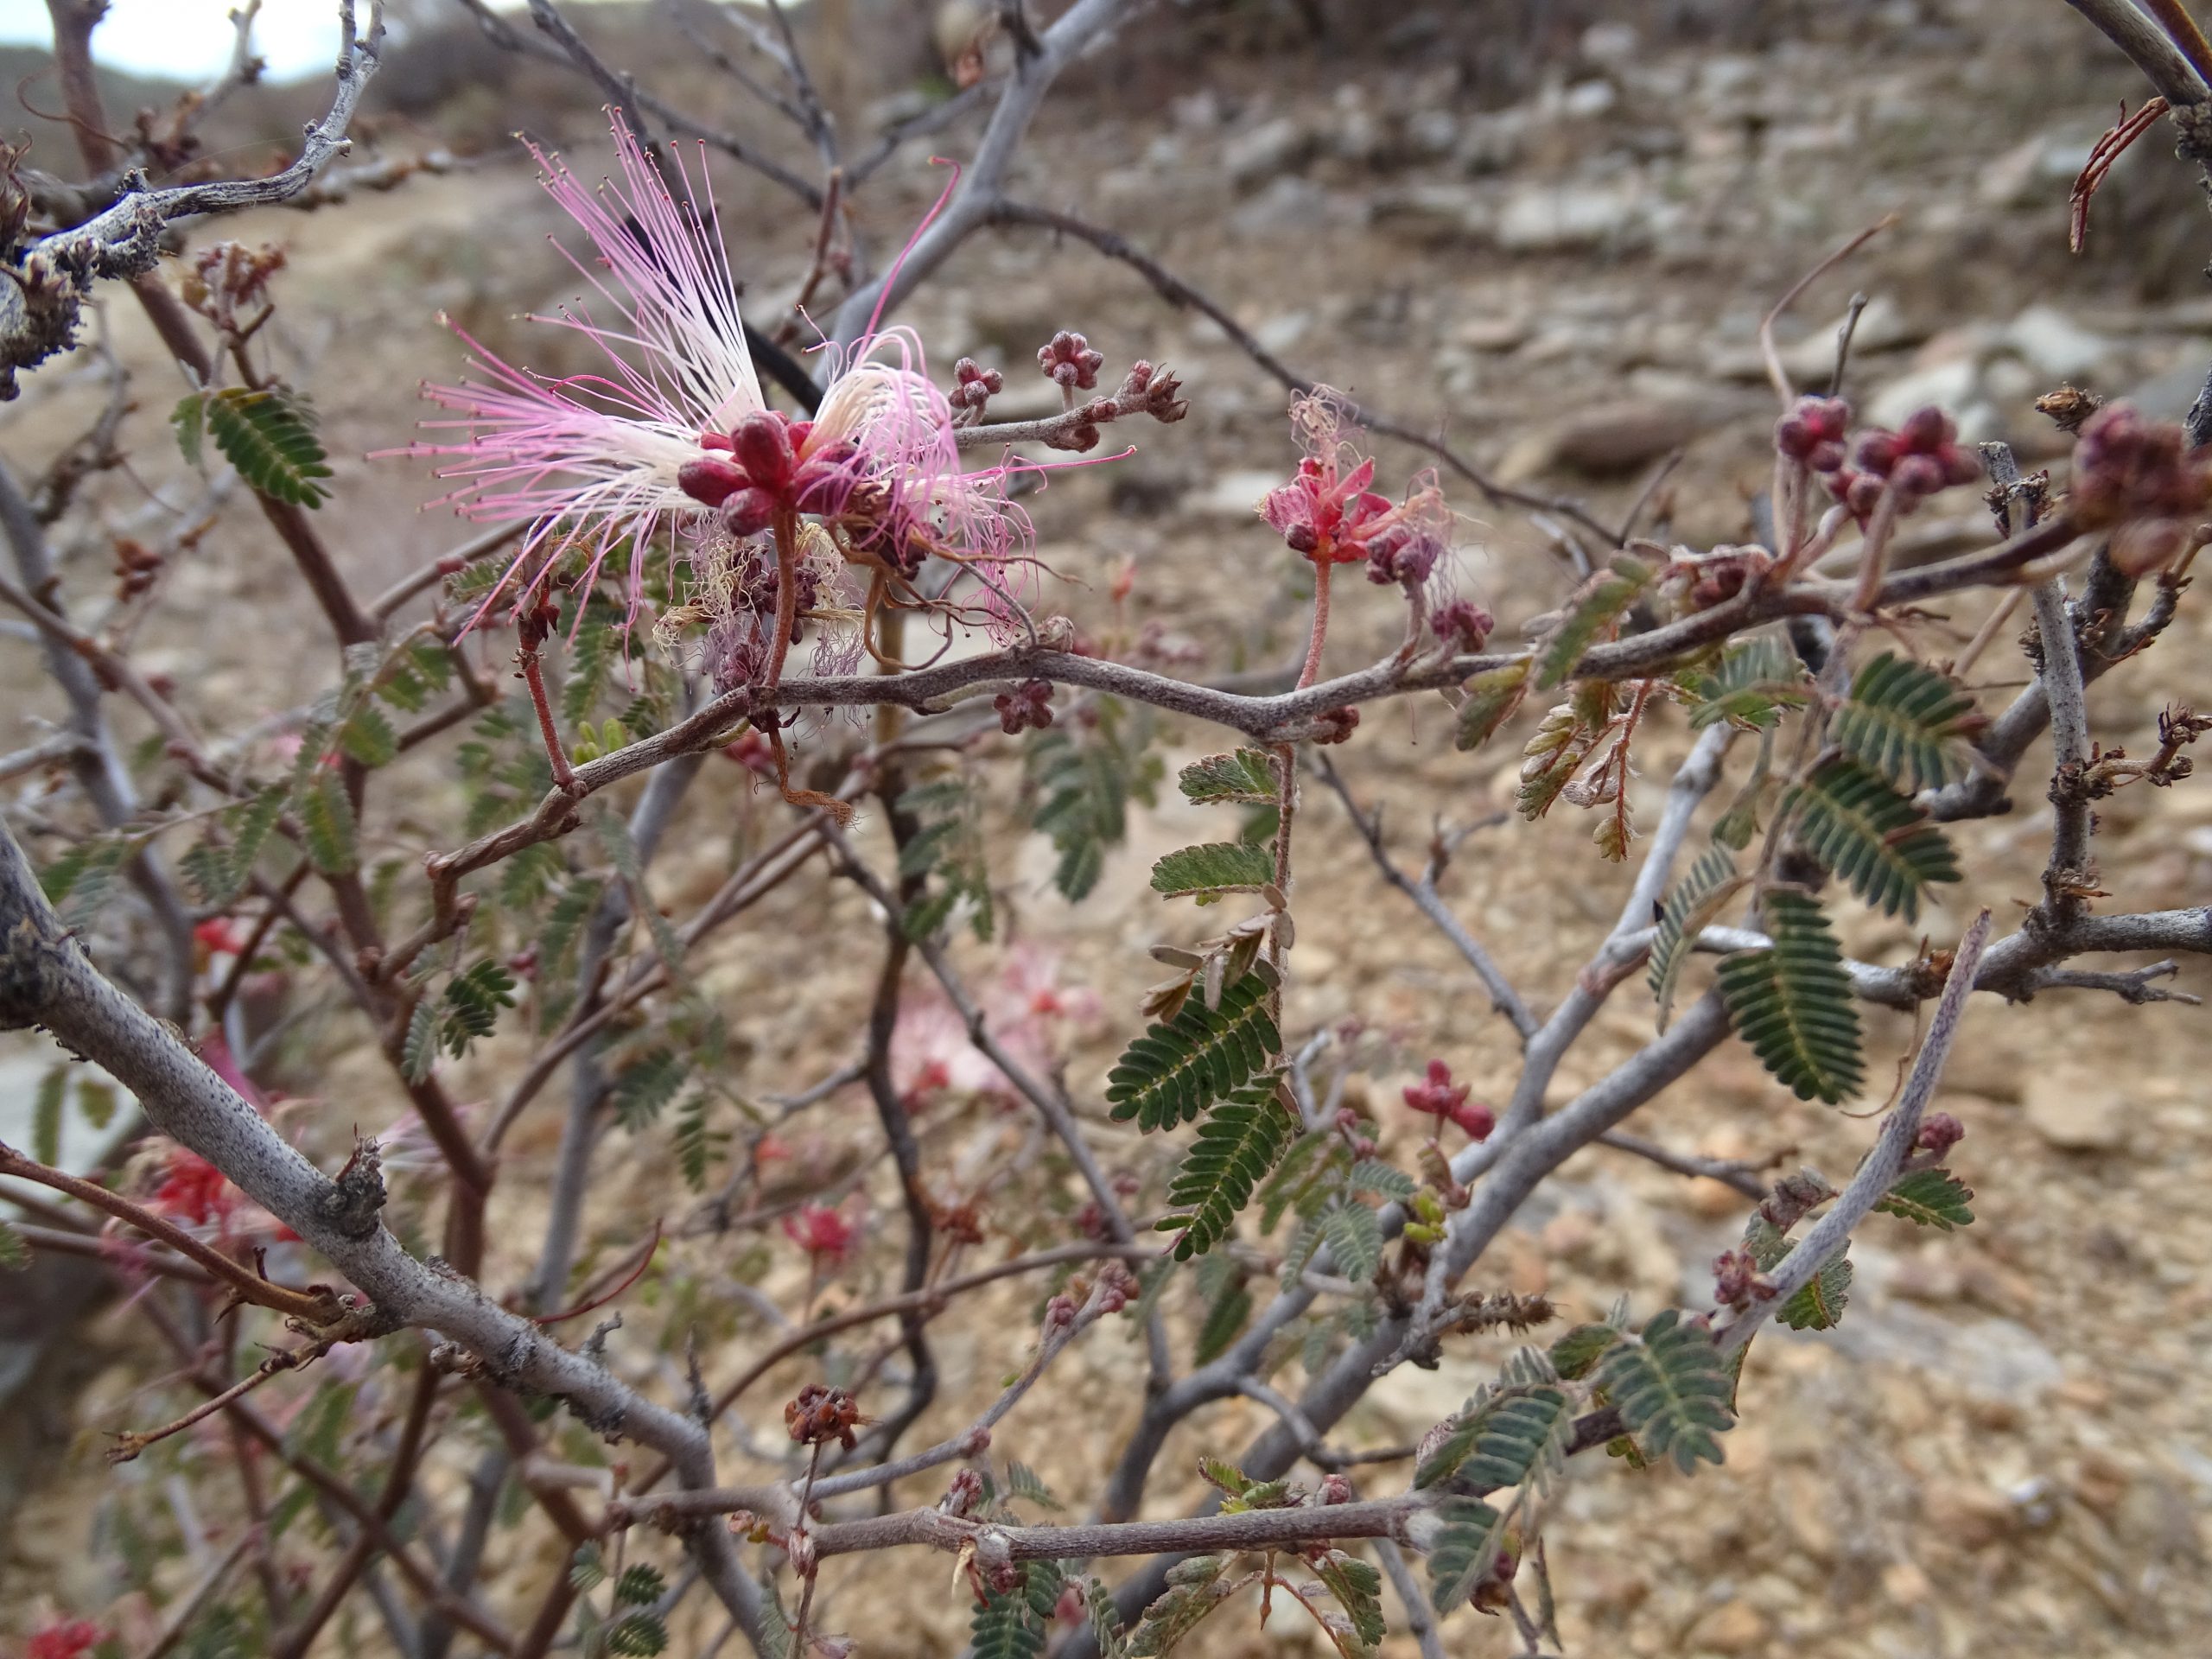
(1181, 1066)
(1792, 1003)
(1673, 1390)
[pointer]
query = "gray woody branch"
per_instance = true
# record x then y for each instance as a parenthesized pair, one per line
(47, 284)
(46, 980)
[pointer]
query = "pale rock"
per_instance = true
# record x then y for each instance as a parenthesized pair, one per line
(2055, 344)
(1722, 78)
(1589, 97)
(1296, 206)
(1733, 1627)
(1883, 326)
(1263, 151)
(2074, 1110)
(1489, 333)
(1968, 1514)
(1353, 131)
(1437, 213)
(1623, 434)
(1280, 334)
(1905, 1583)
(1570, 218)
(1946, 384)
(2023, 175)
(1433, 132)
(1198, 112)
(1610, 46)
(1490, 143)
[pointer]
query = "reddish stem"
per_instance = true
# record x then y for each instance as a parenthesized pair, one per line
(1312, 671)
(533, 674)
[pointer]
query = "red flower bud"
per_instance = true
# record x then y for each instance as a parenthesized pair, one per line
(749, 512)
(710, 479)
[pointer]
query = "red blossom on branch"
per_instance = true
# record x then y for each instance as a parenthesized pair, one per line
(1436, 1096)
(826, 1235)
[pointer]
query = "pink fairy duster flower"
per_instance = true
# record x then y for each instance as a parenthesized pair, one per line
(672, 434)
(592, 458)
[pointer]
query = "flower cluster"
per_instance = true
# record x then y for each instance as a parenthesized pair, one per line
(826, 1235)
(671, 438)
(1028, 705)
(1436, 1096)
(1328, 513)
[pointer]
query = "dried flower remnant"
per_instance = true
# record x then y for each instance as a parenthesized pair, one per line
(819, 1414)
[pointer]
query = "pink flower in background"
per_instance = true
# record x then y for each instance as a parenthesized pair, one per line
(827, 1236)
(673, 434)
(70, 1639)
(1027, 1006)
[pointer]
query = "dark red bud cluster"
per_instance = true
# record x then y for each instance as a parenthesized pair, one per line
(1069, 362)
(974, 385)
(748, 473)
(1403, 554)
(1059, 1312)
(1812, 432)
(135, 566)
(1922, 456)
(1336, 1489)
(1028, 705)
(1939, 1133)
(819, 1414)
(1117, 1287)
(1463, 625)
(1335, 725)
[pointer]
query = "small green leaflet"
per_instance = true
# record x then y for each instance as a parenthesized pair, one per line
(1792, 1003)
(1756, 681)
(1929, 1197)
(1208, 872)
(1696, 902)
(1465, 1549)
(1179, 1067)
(1242, 778)
(1907, 723)
(1492, 696)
